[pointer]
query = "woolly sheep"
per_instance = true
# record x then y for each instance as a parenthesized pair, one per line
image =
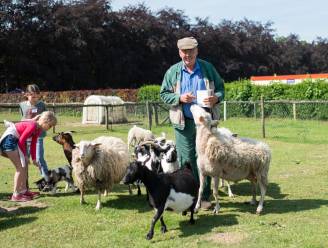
(229, 158)
(99, 164)
(137, 135)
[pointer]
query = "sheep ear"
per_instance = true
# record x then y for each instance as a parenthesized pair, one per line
(201, 119)
(95, 144)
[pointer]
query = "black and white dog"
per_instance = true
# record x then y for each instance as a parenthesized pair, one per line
(63, 173)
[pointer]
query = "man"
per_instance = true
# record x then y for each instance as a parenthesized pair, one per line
(179, 89)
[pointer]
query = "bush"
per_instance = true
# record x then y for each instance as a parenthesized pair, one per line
(149, 93)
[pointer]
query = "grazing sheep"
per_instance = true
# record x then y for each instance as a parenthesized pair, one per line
(137, 135)
(176, 191)
(229, 158)
(99, 164)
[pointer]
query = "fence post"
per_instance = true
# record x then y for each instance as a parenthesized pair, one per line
(262, 117)
(294, 110)
(148, 107)
(224, 110)
(255, 110)
(156, 113)
(106, 116)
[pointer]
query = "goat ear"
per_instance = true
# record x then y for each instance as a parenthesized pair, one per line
(214, 123)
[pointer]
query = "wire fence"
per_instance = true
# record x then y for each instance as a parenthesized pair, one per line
(156, 113)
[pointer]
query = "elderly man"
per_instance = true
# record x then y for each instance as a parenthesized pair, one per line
(179, 89)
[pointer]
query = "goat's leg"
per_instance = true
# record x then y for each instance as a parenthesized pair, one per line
(98, 206)
(253, 201)
(163, 226)
(157, 215)
(216, 195)
(192, 220)
(263, 188)
(130, 190)
(200, 191)
(139, 190)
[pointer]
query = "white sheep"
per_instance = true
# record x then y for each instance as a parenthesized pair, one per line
(99, 164)
(137, 135)
(230, 158)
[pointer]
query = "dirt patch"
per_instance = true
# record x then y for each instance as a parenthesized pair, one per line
(17, 205)
(228, 238)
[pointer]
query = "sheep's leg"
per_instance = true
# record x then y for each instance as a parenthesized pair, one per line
(200, 191)
(157, 215)
(221, 183)
(163, 226)
(263, 191)
(105, 193)
(139, 190)
(216, 195)
(82, 201)
(253, 201)
(66, 187)
(229, 190)
(98, 206)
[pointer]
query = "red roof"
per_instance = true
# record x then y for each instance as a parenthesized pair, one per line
(289, 77)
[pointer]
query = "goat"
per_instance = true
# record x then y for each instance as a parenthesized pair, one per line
(176, 191)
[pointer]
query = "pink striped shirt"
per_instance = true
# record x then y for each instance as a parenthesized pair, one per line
(28, 129)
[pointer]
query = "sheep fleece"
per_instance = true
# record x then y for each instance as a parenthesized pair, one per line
(106, 168)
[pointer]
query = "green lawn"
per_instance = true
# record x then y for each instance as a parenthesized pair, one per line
(295, 211)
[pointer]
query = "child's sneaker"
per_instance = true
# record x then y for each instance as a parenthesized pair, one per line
(20, 198)
(31, 194)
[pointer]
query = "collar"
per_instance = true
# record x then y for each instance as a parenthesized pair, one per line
(196, 67)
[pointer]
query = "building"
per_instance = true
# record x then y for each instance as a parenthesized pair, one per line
(286, 79)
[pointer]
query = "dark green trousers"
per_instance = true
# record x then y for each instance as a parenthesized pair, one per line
(186, 148)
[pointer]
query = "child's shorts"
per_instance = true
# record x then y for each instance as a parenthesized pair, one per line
(9, 143)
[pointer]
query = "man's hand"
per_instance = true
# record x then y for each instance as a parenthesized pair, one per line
(187, 97)
(211, 101)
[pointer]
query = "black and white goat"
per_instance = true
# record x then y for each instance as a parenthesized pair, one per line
(176, 191)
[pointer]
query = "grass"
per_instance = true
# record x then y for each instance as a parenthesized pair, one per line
(295, 211)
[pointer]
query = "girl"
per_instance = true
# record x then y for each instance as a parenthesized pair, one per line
(29, 109)
(13, 146)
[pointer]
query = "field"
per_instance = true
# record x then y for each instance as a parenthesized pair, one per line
(295, 211)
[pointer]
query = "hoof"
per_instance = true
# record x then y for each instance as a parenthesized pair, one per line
(163, 229)
(149, 236)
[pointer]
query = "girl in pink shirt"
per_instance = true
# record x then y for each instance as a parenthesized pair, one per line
(13, 146)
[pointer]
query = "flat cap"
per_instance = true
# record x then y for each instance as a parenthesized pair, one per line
(187, 43)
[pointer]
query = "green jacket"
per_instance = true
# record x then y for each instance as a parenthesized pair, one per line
(170, 90)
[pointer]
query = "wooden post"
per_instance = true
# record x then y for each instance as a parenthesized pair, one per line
(294, 110)
(224, 110)
(156, 113)
(54, 110)
(148, 108)
(262, 117)
(254, 110)
(106, 116)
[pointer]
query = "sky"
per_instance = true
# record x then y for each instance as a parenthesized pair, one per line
(306, 18)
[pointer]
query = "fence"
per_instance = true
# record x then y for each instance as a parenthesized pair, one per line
(156, 113)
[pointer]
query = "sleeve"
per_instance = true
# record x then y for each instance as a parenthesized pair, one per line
(167, 93)
(27, 133)
(218, 84)
(33, 145)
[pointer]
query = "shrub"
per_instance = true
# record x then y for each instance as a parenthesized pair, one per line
(149, 93)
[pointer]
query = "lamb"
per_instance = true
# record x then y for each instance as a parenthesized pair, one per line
(137, 135)
(229, 158)
(99, 164)
(176, 191)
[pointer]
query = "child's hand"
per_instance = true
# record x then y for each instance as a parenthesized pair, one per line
(36, 163)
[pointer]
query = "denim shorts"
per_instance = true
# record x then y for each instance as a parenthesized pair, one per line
(9, 143)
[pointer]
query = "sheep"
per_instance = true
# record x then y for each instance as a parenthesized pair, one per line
(100, 164)
(137, 135)
(176, 191)
(229, 157)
